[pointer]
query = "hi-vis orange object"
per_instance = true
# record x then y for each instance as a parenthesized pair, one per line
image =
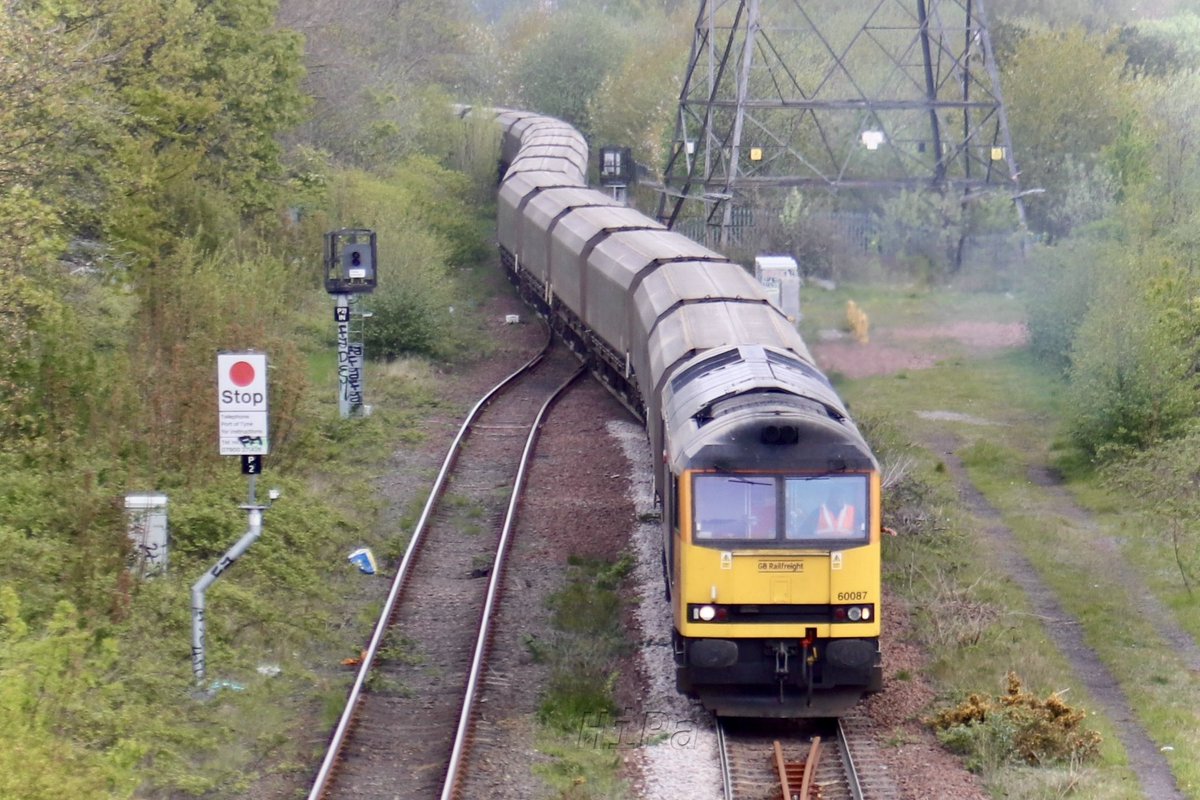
(840, 525)
(860, 324)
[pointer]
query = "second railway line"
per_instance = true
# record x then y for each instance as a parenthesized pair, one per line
(398, 733)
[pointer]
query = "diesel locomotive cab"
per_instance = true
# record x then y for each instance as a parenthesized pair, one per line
(779, 612)
(773, 552)
(741, 510)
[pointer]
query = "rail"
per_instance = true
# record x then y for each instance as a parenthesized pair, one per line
(477, 662)
(338, 741)
(787, 759)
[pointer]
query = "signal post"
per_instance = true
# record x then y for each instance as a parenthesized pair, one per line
(350, 259)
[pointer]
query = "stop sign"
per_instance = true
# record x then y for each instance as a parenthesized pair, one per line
(242, 403)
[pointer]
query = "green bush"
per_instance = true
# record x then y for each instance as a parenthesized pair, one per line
(412, 310)
(1132, 373)
(424, 228)
(1060, 288)
(1162, 478)
(1016, 727)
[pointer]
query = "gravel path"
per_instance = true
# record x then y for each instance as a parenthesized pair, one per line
(1146, 605)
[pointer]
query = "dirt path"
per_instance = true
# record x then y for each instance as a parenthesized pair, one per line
(1146, 605)
(1145, 758)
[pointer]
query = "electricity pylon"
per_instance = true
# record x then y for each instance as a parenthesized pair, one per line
(839, 94)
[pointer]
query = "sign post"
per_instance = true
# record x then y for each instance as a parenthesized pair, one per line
(243, 430)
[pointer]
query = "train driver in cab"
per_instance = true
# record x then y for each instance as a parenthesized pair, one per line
(833, 508)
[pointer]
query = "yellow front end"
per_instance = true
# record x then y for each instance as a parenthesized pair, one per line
(741, 574)
(770, 621)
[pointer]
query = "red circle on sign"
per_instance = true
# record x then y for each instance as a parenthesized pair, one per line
(242, 373)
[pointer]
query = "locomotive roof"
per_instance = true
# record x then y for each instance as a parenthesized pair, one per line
(723, 397)
(705, 327)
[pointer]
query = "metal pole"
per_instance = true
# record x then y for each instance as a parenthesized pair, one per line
(201, 586)
(342, 315)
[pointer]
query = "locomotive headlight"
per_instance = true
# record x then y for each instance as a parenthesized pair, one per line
(855, 614)
(707, 613)
(866, 613)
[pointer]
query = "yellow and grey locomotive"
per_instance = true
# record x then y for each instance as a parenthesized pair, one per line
(771, 533)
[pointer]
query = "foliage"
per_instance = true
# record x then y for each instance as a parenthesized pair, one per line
(57, 741)
(177, 95)
(1066, 104)
(424, 227)
(1172, 114)
(1087, 194)
(921, 230)
(564, 67)
(1165, 479)
(804, 229)
(1059, 290)
(1092, 15)
(387, 72)
(1132, 373)
(1162, 46)
(1017, 726)
(635, 104)
(193, 306)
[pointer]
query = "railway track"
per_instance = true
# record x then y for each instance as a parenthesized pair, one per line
(403, 731)
(814, 759)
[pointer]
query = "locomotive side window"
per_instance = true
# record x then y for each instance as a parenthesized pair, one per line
(734, 506)
(826, 507)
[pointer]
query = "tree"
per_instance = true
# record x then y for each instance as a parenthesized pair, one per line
(1172, 106)
(563, 68)
(381, 71)
(1133, 379)
(207, 90)
(1066, 104)
(635, 104)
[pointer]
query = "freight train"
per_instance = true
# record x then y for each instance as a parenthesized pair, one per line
(770, 494)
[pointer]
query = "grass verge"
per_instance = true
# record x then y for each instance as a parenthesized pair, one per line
(578, 712)
(976, 624)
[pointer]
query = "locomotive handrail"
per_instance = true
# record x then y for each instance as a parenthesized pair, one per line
(320, 784)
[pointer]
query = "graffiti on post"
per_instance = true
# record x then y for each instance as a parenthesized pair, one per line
(198, 643)
(350, 367)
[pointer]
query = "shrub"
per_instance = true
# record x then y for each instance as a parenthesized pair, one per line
(1163, 479)
(1016, 727)
(1063, 281)
(424, 226)
(412, 310)
(1132, 374)
(909, 503)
